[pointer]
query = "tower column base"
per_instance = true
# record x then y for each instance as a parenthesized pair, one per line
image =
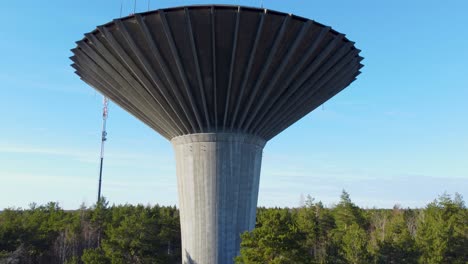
(218, 177)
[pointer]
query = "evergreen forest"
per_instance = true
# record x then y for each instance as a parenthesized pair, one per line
(311, 233)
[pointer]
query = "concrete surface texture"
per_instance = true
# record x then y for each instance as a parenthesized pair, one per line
(219, 81)
(218, 178)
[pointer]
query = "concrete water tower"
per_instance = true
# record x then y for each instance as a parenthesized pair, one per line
(218, 82)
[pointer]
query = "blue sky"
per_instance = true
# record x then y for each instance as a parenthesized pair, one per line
(397, 135)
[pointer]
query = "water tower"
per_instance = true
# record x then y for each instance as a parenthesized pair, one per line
(218, 81)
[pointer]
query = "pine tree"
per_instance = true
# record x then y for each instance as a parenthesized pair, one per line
(315, 222)
(350, 238)
(397, 245)
(442, 234)
(276, 239)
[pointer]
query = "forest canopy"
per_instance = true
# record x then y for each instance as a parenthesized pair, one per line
(311, 233)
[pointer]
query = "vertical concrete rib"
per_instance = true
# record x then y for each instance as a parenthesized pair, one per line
(316, 102)
(123, 51)
(278, 73)
(317, 82)
(213, 48)
(151, 73)
(265, 69)
(136, 75)
(292, 76)
(102, 69)
(101, 85)
(286, 99)
(218, 175)
(231, 69)
(328, 84)
(165, 72)
(180, 68)
(248, 69)
(197, 67)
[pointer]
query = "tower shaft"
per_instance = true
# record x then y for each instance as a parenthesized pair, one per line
(218, 178)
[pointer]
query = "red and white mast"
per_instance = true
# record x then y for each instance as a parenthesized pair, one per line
(103, 140)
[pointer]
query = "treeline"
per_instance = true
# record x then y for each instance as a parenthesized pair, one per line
(311, 233)
(346, 233)
(100, 234)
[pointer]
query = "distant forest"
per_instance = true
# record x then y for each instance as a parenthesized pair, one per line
(311, 233)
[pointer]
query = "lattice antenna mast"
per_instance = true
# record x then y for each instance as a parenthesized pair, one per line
(103, 140)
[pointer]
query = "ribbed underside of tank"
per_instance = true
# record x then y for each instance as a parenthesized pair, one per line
(202, 69)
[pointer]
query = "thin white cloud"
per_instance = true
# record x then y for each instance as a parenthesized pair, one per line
(37, 150)
(37, 82)
(400, 114)
(91, 155)
(19, 178)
